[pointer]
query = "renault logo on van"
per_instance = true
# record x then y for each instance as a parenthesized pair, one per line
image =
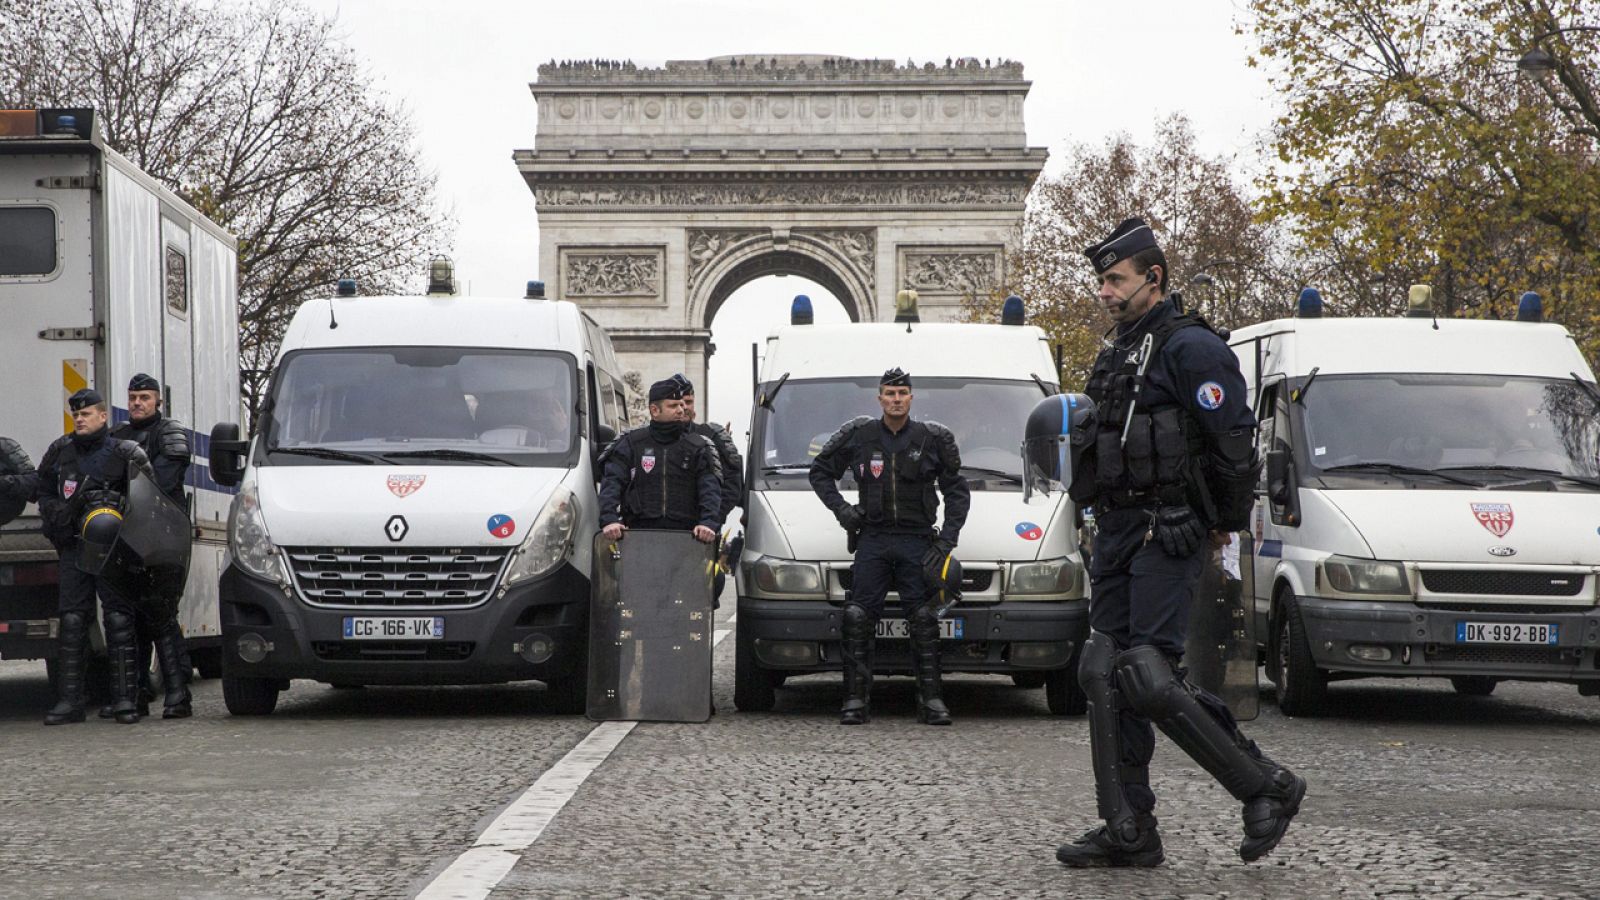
(1502, 551)
(396, 528)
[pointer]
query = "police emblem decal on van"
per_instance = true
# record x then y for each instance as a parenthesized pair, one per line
(502, 526)
(648, 463)
(1029, 531)
(1497, 517)
(403, 486)
(1210, 395)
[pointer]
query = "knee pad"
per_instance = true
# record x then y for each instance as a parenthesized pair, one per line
(858, 621)
(1097, 661)
(119, 628)
(73, 623)
(1148, 683)
(923, 615)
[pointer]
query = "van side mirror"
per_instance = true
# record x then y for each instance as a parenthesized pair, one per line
(603, 436)
(1278, 477)
(226, 456)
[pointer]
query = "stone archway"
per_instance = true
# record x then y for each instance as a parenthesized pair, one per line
(660, 191)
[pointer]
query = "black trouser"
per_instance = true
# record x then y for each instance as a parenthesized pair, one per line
(886, 561)
(1141, 598)
(78, 589)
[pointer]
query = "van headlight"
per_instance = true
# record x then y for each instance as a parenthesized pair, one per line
(248, 540)
(786, 576)
(548, 541)
(1047, 576)
(1367, 577)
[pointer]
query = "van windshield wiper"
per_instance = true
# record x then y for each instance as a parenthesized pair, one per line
(1526, 470)
(447, 453)
(995, 473)
(324, 453)
(1398, 469)
(785, 467)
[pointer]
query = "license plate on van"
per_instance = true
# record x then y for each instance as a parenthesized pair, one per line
(1506, 633)
(898, 629)
(394, 628)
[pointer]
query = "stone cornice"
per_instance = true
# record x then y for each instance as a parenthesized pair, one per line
(769, 71)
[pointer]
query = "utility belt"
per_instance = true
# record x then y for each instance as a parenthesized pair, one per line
(1169, 495)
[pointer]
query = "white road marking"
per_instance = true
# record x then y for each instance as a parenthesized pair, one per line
(496, 852)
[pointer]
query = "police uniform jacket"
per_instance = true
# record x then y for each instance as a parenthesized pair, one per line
(731, 463)
(166, 443)
(1192, 435)
(76, 471)
(896, 474)
(667, 477)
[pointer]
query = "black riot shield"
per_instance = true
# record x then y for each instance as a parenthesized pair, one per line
(13, 461)
(152, 550)
(650, 627)
(1220, 653)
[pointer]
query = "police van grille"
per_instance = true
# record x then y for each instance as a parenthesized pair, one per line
(396, 578)
(972, 580)
(1501, 582)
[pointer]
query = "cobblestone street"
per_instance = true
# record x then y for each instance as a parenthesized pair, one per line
(1415, 791)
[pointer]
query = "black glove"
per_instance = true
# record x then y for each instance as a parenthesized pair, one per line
(850, 517)
(1179, 530)
(10, 486)
(933, 560)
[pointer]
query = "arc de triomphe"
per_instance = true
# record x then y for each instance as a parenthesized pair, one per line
(660, 191)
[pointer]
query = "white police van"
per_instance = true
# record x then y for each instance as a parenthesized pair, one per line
(418, 504)
(1430, 504)
(105, 273)
(1024, 611)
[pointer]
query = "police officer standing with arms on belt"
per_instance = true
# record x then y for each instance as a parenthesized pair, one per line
(1170, 467)
(731, 462)
(166, 444)
(82, 486)
(663, 476)
(897, 462)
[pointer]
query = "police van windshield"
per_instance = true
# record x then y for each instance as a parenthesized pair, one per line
(1486, 428)
(986, 416)
(422, 406)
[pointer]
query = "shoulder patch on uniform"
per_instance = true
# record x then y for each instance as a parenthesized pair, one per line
(1210, 395)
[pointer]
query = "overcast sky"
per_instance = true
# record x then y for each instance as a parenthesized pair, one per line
(463, 67)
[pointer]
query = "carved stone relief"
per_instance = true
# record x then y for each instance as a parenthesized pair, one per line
(705, 244)
(603, 273)
(973, 272)
(859, 245)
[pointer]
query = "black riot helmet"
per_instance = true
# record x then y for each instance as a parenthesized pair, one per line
(1048, 452)
(97, 535)
(944, 577)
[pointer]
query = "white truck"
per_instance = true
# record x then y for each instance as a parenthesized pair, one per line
(104, 273)
(1024, 611)
(418, 505)
(1430, 504)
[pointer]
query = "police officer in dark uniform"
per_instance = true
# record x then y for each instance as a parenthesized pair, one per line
(897, 462)
(663, 476)
(732, 469)
(166, 444)
(1170, 468)
(81, 486)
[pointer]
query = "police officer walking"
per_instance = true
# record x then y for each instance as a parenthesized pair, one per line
(81, 486)
(1170, 468)
(897, 463)
(732, 465)
(662, 476)
(166, 444)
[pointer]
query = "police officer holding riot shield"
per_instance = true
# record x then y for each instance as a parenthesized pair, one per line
(1168, 462)
(663, 476)
(82, 488)
(898, 464)
(166, 444)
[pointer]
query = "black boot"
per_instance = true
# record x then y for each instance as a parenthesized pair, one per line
(124, 654)
(924, 627)
(1267, 816)
(70, 663)
(1141, 849)
(856, 650)
(174, 672)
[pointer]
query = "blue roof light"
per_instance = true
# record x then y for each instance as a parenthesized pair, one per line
(535, 290)
(1012, 313)
(800, 310)
(1530, 308)
(347, 287)
(1310, 304)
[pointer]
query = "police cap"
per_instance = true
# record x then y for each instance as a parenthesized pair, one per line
(143, 382)
(84, 399)
(685, 386)
(1129, 238)
(666, 389)
(895, 377)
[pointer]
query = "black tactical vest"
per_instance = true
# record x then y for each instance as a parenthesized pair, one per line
(1154, 463)
(665, 484)
(898, 489)
(162, 438)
